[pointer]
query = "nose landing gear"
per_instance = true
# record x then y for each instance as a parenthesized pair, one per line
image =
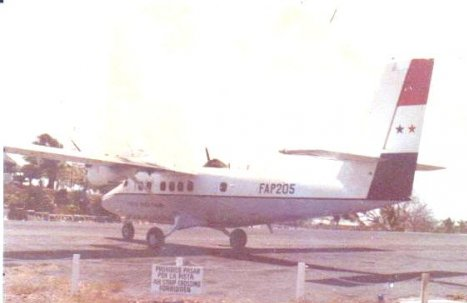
(155, 238)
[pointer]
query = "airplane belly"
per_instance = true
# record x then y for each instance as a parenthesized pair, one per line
(251, 211)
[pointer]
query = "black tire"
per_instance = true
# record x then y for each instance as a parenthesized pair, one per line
(155, 238)
(128, 231)
(238, 239)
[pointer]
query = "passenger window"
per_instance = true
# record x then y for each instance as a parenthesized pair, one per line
(172, 186)
(125, 184)
(189, 186)
(148, 185)
(180, 186)
(163, 185)
(140, 186)
(223, 187)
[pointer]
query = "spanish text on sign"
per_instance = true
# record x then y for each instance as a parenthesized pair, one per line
(185, 280)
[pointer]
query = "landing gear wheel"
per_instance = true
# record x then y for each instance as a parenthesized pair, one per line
(128, 231)
(155, 238)
(238, 239)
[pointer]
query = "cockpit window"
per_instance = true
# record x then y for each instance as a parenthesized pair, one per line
(189, 185)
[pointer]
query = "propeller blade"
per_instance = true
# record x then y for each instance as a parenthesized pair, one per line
(207, 154)
(76, 146)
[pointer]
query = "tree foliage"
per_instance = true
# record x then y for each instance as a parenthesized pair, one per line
(71, 175)
(47, 168)
(408, 216)
(462, 226)
(31, 171)
(448, 225)
(9, 165)
(61, 197)
(33, 197)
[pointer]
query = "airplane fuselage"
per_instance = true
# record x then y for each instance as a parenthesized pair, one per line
(221, 198)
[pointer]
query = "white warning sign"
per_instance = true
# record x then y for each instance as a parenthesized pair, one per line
(182, 280)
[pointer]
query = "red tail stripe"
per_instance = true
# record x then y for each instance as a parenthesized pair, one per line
(417, 82)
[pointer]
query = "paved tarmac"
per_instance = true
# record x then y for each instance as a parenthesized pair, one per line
(341, 265)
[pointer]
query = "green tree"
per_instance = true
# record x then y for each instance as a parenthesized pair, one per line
(393, 217)
(61, 197)
(12, 194)
(79, 198)
(418, 216)
(38, 199)
(9, 165)
(462, 226)
(409, 216)
(48, 168)
(448, 225)
(30, 172)
(70, 175)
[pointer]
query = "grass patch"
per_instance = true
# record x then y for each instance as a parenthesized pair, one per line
(458, 297)
(33, 283)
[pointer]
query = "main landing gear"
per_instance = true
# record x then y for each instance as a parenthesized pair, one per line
(238, 239)
(128, 231)
(155, 237)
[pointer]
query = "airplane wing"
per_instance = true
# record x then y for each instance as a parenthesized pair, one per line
(75, 156)
(331, 155)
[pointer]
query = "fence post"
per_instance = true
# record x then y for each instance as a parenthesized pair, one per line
(300, 290)
(423, 291)
(75, 274)
(179, 261)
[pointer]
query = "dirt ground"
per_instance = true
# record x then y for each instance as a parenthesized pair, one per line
(342, 266)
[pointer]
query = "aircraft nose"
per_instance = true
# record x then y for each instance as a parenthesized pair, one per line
(109, 199)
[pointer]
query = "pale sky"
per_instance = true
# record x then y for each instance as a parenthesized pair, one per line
(244, 78)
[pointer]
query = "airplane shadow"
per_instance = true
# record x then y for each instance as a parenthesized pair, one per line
(375, 278)
(107, 251)
(257, 255)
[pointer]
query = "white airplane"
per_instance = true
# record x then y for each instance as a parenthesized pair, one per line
(222, 198)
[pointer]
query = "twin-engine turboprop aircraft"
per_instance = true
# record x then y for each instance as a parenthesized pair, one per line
(221, 198)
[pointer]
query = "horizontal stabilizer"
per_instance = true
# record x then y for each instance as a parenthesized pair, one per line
(331, 155)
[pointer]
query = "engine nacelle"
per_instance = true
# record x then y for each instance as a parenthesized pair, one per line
(99, 175)
(142, 176)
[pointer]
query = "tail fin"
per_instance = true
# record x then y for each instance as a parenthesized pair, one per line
(394, 173)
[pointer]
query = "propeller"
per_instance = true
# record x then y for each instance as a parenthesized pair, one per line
(214, 163)
(207, 154)
(76, 145)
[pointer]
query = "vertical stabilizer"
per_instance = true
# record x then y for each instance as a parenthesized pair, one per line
(394, 174)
